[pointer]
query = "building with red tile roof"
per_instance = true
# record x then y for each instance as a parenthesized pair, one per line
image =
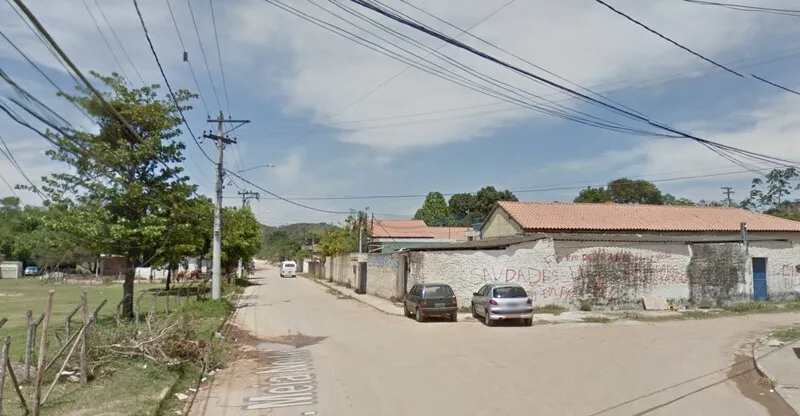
(516, 218)
(391, 235)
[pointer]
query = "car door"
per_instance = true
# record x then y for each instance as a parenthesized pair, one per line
(477, 299)
(412, 298)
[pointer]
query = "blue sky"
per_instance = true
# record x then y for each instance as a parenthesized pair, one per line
(302, 87)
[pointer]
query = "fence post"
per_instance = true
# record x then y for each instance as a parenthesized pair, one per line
(97, 311)
(119, 307)
(14, 382)
(29, 344)
(37, 403)
(3, 357)
(139, 305)
(3, 322)
(68, 321)
(167, 300)
(84, 338)
(155, 302)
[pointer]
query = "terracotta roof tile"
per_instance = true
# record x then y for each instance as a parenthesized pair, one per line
(551, 216)
(400, 229)
(450, 233)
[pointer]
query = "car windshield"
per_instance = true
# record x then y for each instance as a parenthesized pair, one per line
(510, 292)
(439, 291)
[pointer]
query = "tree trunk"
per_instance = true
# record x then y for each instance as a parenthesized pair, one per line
(127, 290)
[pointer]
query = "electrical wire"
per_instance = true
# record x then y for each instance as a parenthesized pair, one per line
(746, 8)
(728, 152)
(186, 55)
(203, 52)
(169, 88)
(219, 53)
(105, 39)
(119, 42)
(455, 78)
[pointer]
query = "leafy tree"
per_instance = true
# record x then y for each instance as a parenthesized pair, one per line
(188, 238)
(771, 193)
(487, 197)
(593, 195)
(624, 191)
(670, 199)
(463, 208)
(122, 196)
(338, 240)
(704, 203)
(241, 236)
(434, 210)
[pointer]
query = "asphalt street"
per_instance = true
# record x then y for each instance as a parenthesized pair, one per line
(311, 352)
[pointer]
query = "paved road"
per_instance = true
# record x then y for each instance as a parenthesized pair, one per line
(363, 362)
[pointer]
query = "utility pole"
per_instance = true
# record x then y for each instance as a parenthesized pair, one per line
(216, 254)
(728, 191)
(246, 195)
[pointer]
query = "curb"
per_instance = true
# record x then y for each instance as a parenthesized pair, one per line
(777, 389)
(350, 296)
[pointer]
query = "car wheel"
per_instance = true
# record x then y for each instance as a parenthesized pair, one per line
(474, 312)
(406, 312)
(486, 319)
(454, 317)
(527, 322)
(420, 316)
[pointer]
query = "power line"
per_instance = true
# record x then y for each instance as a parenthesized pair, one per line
(647, 28)
(186, 58)
(728, 152)
(169, 87)
(403, 71)
(119, 42)
(203, 52)
(689, 50)
(219, 53)
(105, 39)
(746, 8)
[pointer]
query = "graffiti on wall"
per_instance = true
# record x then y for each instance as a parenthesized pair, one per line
(600, 274)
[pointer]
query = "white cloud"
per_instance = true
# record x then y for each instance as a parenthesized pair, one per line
(584, 42)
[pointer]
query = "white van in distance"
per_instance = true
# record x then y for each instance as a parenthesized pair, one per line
(288, 269)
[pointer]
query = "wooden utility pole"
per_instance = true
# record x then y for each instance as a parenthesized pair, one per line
(221, 140)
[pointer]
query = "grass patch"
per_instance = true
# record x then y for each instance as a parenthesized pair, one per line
(551, 309)
(787, 335)
(763, 307)
(127, 379)
(597, 319)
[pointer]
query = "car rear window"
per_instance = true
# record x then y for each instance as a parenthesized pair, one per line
(438, 291)
(510, 292)
(289, 264)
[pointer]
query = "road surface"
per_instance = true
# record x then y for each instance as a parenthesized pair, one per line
(354, 360)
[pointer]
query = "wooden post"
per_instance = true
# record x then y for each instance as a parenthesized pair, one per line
(80, 340)
(37, 402)
(29, 345)
(84, 338)
(3, 321)
(96, 313)
(15, 383)
(68, 321)
(3, 358)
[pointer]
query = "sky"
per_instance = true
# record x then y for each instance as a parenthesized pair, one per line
(347, 127)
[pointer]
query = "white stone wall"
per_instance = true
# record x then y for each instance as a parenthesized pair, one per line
(382, 274)
(341, 269)
(562, 275)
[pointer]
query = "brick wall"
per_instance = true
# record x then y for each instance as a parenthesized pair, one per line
(565, 272)
(382, 274)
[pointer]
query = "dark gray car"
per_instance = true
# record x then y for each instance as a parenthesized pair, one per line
(431, 299)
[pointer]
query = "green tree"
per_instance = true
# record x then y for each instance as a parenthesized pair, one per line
(434, 210)
(624, 191)
(121, 196)
(463, 208)
(487, 197)
(338, 240)
(670, 199)
(593, 195)
(772, 192)
(241, 236)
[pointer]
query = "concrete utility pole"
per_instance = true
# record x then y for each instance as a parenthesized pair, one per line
(728, 191)
(216, 254)
(246, 195)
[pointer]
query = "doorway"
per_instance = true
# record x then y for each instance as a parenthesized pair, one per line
(759, 279)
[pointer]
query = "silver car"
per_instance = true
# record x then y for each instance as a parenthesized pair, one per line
(495, 301)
